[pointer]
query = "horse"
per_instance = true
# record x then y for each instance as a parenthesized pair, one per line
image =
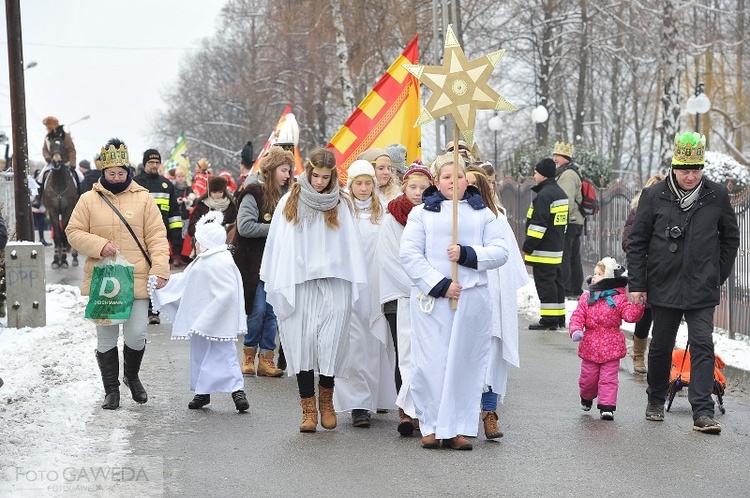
(59, 196)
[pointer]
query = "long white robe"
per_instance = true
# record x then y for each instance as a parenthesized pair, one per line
(314, 278)
(503, 285)
(205, 304)
(371, 383)
(395, 285)
(450, 349)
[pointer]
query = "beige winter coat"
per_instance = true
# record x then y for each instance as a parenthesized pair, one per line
(93, 223)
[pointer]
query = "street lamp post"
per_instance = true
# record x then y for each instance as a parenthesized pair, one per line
(698, 104)
(495, 124)
(84, 118)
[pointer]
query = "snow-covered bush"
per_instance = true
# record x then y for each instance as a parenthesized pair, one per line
(722, 168)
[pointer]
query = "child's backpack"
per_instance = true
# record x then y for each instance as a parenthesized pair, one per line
(590, 204)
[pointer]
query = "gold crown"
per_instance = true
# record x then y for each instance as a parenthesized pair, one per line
(563, 149)
(689, 150)
(114, 157)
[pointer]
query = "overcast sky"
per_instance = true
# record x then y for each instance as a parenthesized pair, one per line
(108, 60)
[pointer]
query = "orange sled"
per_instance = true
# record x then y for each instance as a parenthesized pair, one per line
(679, 377)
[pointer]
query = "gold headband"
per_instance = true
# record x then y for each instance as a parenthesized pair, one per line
(316, 166)
(477, 173)
(415, 176)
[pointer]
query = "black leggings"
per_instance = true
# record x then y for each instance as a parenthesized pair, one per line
(306, 383)
(391, 318)
(643, 326)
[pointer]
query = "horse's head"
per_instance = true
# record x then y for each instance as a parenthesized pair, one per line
(58, 152)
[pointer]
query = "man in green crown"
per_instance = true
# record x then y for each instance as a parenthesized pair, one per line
(680, 251)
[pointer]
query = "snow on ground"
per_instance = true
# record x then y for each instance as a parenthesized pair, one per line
(734, 352)
(52, 388)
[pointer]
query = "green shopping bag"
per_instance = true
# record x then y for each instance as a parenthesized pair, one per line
(111, 294)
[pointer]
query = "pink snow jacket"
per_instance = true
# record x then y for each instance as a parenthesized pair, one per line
(600, 322)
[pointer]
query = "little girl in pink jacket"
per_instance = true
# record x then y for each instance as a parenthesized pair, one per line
(596, 324)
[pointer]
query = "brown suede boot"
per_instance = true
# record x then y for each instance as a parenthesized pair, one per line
(266, 366)
(639, 351)
(309, 415)
(491, 430)
(248, 365)
(325, 405)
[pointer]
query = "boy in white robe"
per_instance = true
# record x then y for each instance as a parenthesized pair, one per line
(206, 304)
(450, 348)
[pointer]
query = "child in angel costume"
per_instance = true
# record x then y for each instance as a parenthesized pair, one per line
(503, 284)
(371, 384)
(315, 277)
(450, 348)
(206, 304)
(395, 283)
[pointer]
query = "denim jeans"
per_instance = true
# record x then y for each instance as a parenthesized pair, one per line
(261, 323)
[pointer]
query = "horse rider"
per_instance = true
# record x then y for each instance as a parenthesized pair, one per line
(58, 137)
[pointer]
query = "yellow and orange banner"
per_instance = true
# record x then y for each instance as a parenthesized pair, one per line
(385, 116)
(273, 139)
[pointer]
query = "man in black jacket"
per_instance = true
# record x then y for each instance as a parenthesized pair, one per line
(680, 251)
(546, 222)
(162, 190)
(90, 176)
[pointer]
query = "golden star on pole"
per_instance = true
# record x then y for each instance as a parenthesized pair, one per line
(459, 87)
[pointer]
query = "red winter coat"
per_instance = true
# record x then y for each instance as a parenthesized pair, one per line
(603, 340)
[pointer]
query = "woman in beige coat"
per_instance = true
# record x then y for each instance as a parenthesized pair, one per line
(98, 232)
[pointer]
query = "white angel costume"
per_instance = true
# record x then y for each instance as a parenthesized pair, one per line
(450, 348)
(503, 284)
(206, 305)
(371, 383)
(315, 277)
(395, 285)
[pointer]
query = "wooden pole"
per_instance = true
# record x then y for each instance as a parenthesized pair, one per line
(454, 266)
(24, 220)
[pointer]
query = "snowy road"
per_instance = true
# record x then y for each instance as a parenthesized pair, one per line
(56, 441)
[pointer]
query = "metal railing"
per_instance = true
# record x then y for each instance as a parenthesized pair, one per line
(603, 237)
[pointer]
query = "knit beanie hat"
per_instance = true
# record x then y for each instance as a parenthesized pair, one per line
(417, 169)
(358, 168)
(85, 164)
(150, 155)
(209, 232)
(615, 275)
(397, 153)
(372, 154)
(546, 167)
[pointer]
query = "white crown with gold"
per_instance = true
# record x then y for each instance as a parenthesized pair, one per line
(112, 157)
(563, 149)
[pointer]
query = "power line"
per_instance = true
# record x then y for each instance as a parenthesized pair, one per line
(101, 47)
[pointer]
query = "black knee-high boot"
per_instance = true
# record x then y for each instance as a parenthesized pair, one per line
(131, 366)
(109, 365)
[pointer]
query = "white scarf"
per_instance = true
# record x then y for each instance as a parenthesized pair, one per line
(363, 206)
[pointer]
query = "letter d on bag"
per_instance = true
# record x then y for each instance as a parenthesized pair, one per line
(115, 287)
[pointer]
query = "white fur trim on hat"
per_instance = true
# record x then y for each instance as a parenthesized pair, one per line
(610, 265)
(360, 167)
(209, 232)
